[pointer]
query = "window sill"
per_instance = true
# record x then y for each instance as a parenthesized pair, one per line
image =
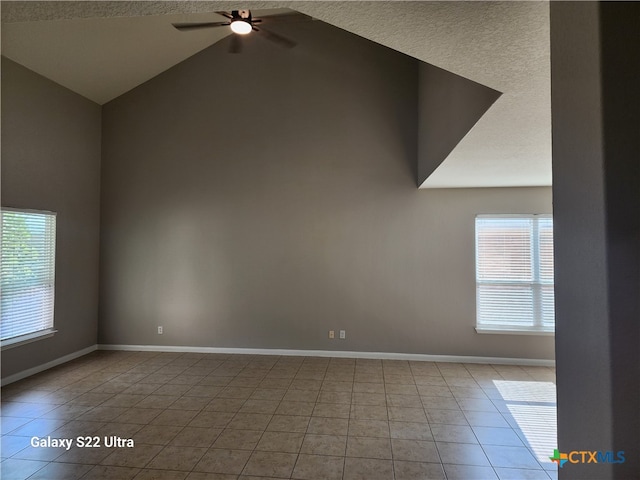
(514, 331)
(24, 339)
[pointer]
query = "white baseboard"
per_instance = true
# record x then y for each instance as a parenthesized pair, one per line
(336, 353)
(283, 352)
(46, 366)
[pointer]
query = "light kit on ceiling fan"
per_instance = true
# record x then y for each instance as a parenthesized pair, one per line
(241, 22)
(240, 27)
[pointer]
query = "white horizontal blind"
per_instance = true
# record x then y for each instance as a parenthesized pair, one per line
(514, 272)
(27, 272)
(545, 242)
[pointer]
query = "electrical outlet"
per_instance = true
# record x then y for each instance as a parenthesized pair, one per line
(160, 331)
(332, 334)
(343, 334)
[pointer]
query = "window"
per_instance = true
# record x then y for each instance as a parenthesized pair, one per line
(27, 275)
(514, 273)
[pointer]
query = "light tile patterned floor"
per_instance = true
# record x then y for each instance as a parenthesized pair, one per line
(221, 417)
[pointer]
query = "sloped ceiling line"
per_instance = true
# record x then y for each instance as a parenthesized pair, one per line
(503, 45)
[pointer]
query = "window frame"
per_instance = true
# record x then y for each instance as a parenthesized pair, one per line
(50, 330)
(537, 326)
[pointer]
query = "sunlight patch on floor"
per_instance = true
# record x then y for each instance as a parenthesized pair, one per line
(532, 406)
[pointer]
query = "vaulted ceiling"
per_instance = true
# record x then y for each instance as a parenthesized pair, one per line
(103, 49)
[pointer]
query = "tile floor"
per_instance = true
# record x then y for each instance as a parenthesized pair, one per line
(211, 416)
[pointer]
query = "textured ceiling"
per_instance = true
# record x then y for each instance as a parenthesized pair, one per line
(101, 49)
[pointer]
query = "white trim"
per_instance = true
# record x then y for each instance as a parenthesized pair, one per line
(28, 338)
(513, 331)
(45, 366)
(336, 353)
(29, 210)
(514, 215)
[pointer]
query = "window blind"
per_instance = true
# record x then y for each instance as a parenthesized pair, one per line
(27, 272)
(514, 273)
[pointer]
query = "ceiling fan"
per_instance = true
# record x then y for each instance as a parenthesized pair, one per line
(242, 23)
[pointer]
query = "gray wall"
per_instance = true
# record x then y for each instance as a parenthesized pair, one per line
(51, 161)
(259, 200)
(596, 189)
(448, 107)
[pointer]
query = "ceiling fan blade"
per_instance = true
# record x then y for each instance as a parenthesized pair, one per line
(226, 14)
(286, 17)
(274, 37)
(236, 44)
(197, 26)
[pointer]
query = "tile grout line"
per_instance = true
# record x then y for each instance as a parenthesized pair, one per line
(82, 375)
